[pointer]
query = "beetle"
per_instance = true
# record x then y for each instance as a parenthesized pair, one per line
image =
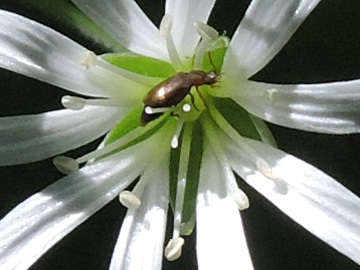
(174, 89)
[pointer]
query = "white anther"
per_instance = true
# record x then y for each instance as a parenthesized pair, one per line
(175, 139)
(265, 168)
(89, 59)
(65, 165)
(129, 200)
(73, 103)
(272, 94)
(241, 200)
(166, 25)
(149, 110)
(186, 107)
(206, 31)
(173, 248)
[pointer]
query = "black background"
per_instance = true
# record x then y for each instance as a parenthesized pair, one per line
(325, 48)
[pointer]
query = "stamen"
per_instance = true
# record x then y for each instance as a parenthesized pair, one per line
(175, 139)
(273, 94)
(166, 25)
(241, 200)
(66, 165)
(165, 31)
(264, 167)
(129, 199)
(73, 103)
(181, 184)
(78, 103)
(174, 248)
(186, 107)
(206, 31)
(150, 110)
(89, 60)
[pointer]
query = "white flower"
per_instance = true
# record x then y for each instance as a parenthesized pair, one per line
(313, 199)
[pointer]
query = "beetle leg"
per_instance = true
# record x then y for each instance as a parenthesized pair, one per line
(193, 99)
(202, 97)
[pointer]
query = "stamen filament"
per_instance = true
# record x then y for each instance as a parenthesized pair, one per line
(165, 31)
(181, 184)
(150, 110)
(78, 103)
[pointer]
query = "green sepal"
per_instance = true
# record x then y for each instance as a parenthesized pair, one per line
(217, 52)
(237, 117)
(192, 179)
(130, 122)
(217, 57)
(144, 65)
(192, 183)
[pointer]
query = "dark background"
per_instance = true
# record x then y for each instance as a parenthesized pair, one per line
(325, 48)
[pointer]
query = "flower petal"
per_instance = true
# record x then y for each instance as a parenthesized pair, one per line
(141, 240)
(324, 107)
(221, 242)
(185, 13)
(124, 21)
(34, 50)
(310, 197)
(35, 225)
(264, 30)
(31, 138)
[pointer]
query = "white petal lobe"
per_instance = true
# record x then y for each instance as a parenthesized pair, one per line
(34, 50)
(124, 21)
(310, 197)
(324, 107)
(185, 13)
(35, 225)
(265, 29)
(221, 242)
(141, 239)
(30, 138)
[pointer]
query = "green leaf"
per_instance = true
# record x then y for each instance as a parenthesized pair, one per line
(237, 117)
(141, 64)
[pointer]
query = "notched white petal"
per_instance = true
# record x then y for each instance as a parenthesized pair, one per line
(323, 107)
(39, 222)
(310, 197)
(185, 13)
(30, 138)
(36, 51)
(264, 30)
(125, 22)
